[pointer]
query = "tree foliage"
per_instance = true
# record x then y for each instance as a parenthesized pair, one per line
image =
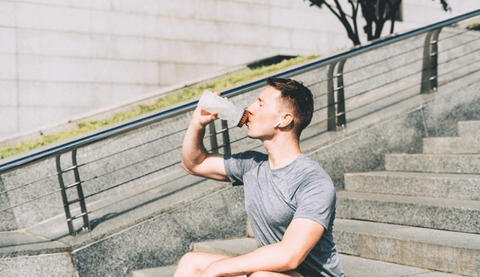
(375, 12)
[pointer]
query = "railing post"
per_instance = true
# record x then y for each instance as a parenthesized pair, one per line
(336, 97)
(341, 113)
(430, 62)
(226, 138)
(213, 137)
(78, 182)
(66, 207)
(80, 199)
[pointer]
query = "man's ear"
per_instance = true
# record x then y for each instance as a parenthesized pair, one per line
(287, 121)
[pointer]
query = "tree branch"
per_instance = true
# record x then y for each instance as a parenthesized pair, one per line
(354, 16)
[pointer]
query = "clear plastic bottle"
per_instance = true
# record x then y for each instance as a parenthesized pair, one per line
(226, 109)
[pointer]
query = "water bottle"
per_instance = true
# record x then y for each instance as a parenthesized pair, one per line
(226, 109)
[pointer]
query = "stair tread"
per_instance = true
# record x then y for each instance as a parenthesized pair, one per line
(437, 185)
(468, 128)
(18, 243)
(409, 233)
(446, 163)
(451, 145)
(432, 155)
(232, 247)
(439, 175)
(463, 204)
(165, 271)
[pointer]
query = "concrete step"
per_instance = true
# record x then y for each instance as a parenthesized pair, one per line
(437, 185)
(435, 163)
(438, 250)
(435, 213)
(165, 271)
(352, 265)
(468, 128)
(24, 254)
(453, 145)
(231, 247)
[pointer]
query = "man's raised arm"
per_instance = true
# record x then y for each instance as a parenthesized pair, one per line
(195, 158)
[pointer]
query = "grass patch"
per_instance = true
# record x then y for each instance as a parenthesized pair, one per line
(181, 96)
(474, 27)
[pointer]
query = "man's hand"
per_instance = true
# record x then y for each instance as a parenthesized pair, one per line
(203, 117)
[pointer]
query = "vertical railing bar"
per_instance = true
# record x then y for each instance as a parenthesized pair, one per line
(430, 62)
(341, 119)
(83, 207)
(434, 61)
(213, 138)
(66, 207)
(425, 85)
(331, 124)
(226, 138)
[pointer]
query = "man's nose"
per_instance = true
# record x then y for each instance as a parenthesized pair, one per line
(251, 108)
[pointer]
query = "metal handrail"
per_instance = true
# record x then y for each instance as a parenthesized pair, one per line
(190, 105)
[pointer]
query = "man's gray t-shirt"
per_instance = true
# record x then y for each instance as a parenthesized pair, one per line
(273, 198)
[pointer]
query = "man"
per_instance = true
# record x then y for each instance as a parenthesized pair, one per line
(289, 198)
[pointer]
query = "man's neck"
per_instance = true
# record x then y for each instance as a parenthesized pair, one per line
(282, 151)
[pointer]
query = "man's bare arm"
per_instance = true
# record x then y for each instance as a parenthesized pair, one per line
(195, 158)
(299, 239)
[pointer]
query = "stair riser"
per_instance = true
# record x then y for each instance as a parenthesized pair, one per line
(456, 260)
(468, 164)
(469, 128)
(460, 145)
(437, 187)
(427, 216)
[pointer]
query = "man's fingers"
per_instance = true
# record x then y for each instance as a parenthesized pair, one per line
(214, 115)
(218, 93)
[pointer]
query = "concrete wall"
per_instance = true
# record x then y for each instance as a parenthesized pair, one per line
(59, 58)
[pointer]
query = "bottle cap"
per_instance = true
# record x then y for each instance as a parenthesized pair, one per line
(244, 118)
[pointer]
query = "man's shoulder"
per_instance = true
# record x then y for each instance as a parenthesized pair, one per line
(310, 165)
(312, 172)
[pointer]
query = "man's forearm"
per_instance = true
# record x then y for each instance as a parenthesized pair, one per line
(193, 152)
(274, 258)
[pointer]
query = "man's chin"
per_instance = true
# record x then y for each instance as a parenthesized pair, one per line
(251, 135)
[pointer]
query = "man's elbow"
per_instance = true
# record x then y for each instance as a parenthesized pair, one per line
(188, 168)
(293, 262)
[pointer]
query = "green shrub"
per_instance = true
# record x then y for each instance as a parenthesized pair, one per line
(474, 27)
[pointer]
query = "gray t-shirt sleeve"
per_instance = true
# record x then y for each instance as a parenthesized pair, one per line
(238, 164)
(316, 200)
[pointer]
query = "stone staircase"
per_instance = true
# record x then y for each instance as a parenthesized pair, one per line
(419, 217)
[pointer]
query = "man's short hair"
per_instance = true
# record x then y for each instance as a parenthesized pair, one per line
(299, 98)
